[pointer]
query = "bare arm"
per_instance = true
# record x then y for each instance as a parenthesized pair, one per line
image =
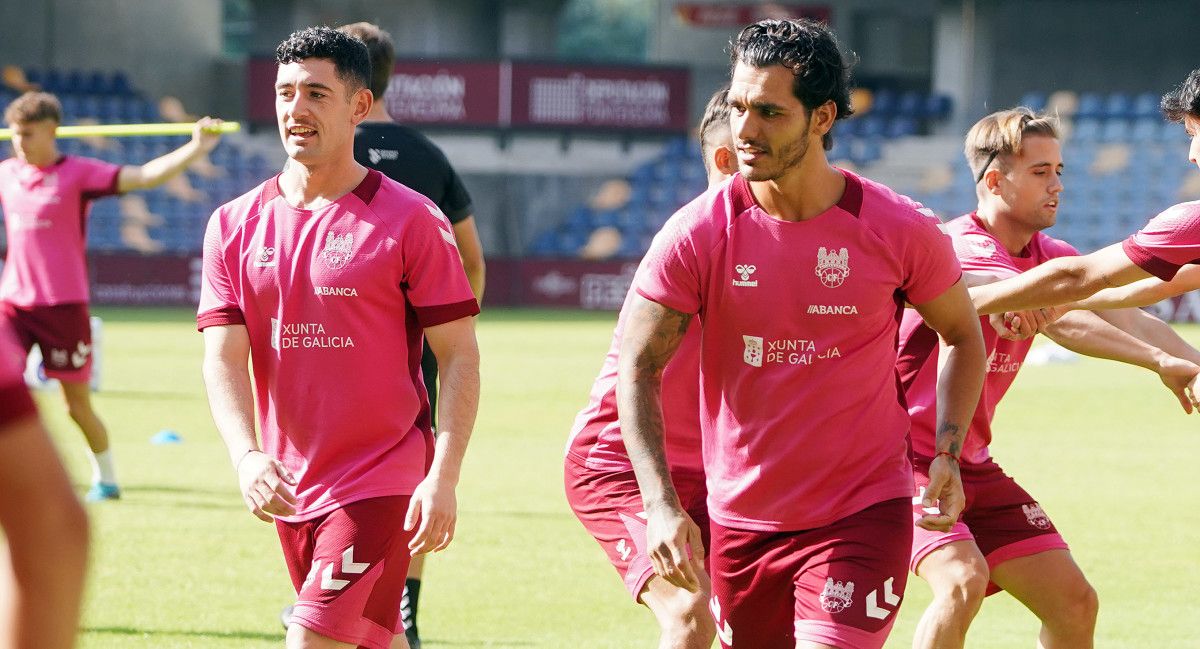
(960, 381)
(1145, 292)
(433, 503)
(263, 480)
(471, 252)
(652, 334)
(1134, 337)
(1058, 281)
(162, 168)
(47, 538)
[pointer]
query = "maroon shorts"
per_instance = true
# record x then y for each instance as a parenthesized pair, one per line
(62, 331)
(609, 505)
(348, 568)
(839, 585)
(1000, 517)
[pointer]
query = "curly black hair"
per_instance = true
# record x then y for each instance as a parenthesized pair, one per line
(810, 50)
(1184, 100)
(349, 55)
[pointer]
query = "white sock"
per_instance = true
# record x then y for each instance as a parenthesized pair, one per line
(102, 467)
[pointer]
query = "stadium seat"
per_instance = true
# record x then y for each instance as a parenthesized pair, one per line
(1091, 106)
(1146, 105)
(1118, 105)
(1034, 100)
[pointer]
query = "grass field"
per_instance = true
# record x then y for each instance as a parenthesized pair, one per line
(180, 562)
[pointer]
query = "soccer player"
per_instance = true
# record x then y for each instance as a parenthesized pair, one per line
(46, 197)
(326, 276)
(600, 484)
(1005, 539)
(1167, 243)
(44, 525)
(798, 272)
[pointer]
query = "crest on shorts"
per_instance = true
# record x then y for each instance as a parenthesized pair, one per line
(1036, 517)
(836, 597)
(58, 357)
(338, 249)
(833, 267)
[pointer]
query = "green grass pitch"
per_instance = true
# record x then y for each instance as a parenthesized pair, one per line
(180, 562)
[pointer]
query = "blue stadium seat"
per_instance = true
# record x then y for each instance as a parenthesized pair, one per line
(938, 107)
(1091, 106)
(1087, 130)
(901, 127)
(1118, 105)
(883, 103)
(1115, 130)
(911, 104)
(1146, 105)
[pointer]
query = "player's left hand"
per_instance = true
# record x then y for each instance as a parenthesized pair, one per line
(435, 507)
(1180, 377)
(945, 492)
(205, 133)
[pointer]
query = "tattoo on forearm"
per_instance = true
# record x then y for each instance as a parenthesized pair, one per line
(653, 333)
(950, 437)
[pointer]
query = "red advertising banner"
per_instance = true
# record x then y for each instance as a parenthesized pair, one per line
(726, 15)
(552, 95)
(598, 285)
(129, 279)
(445, 94)
(500, 94)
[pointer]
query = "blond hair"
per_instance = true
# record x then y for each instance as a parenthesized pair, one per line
(999, 135)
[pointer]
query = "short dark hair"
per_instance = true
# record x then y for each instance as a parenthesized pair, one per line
(349, 55)
(1184, 100)
(33, 107)
(381, 51)
(714, 126)
(810, 50)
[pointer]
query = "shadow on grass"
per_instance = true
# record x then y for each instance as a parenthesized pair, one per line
(234, 635)
(476, 643)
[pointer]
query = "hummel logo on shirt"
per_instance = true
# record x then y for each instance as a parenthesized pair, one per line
(745, 271)
(265, 257)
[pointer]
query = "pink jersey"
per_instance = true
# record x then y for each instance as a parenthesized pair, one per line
(978, 252)
(801, 414)
(1169, 241)
(596, 437)
(45, 217)
(335, 301)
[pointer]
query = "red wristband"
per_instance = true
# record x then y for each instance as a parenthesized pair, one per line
(947, 454)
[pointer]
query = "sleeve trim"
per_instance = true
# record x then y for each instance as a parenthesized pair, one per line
(109, 190)
(220, 317)
(432, 316)
(1147, 261)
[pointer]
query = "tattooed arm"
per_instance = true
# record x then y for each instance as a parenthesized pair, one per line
(964, 364)
(652, 334)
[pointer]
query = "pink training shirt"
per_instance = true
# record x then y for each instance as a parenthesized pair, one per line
(335, 301)
(596, 440)
(45, 218)
(801, 414)
(979, 252)
(1168, 242)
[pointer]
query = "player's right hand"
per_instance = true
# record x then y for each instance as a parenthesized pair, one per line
(675, 547)
(1180, 377)
(266, 486)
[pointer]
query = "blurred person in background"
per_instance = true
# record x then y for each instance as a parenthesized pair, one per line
(46, 198)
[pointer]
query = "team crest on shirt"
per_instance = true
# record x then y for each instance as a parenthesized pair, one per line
(338, 250)
(1036, 517)
(833, 267)
(754, 350)
(836, 597)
